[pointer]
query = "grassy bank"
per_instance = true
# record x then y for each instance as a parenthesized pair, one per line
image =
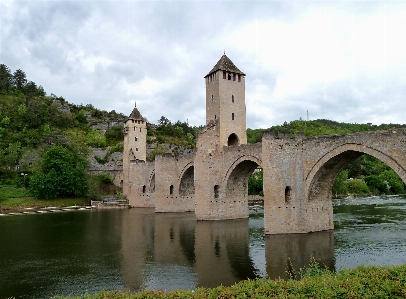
(13, 198)
(362, 282)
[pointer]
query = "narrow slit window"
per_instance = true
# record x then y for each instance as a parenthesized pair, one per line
(134, 128)
(232, 98)
(288, 194)
(224, 75)
(216, 191)
(144, 189)
(239, 78)
(140, 129)
(135, 139)
(171, 189)
(232, 116)
(136, 149)
(229, 76)
(212, 98)
(234, 75)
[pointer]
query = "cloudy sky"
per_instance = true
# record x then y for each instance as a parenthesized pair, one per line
(339, 60)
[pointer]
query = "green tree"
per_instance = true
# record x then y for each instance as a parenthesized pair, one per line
(62, 173)
(5, 78)
(19, 79)
(255, 183)
(340, 184)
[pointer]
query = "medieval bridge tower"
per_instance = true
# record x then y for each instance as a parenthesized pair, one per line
(225, 101)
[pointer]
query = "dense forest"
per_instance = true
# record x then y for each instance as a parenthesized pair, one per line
(35, 126)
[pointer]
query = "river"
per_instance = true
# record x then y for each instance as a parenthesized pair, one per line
(75, 252)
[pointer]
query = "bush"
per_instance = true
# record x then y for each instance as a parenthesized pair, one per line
(114, 135)
(357, 186)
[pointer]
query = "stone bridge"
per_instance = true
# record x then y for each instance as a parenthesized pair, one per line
(298, 176)
(213, 181)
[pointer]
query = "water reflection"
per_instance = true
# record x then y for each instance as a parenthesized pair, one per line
(159, 248)
(289, 253)
(74, 252)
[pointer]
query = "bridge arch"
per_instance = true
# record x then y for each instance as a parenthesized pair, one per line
(187, 180)
(321, 177)
(238, 174)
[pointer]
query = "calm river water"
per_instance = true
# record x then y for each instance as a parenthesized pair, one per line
(88, 251)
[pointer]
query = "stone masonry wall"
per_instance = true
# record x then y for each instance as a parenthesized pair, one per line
(168, 173)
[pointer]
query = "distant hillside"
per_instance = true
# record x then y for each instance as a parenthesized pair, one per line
(318, 127)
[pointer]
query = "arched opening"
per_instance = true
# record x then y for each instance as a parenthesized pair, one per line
(171, 189)
(187, 183)
(366, 170)
(235, 195)
(144, 189)
(237, 182)
(233, 140)
(322, 182)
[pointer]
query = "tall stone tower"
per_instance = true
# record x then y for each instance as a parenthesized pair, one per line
(135, 138)
(225, 101)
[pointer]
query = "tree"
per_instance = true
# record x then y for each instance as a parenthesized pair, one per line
(255, 183)
(163, 121)
(62, 173)
(5, 78)
(19, 79)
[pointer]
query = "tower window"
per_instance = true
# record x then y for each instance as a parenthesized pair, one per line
(171, 189)
(135, 139)
(229, 76)
(132, 121)
(239, 78)
(134, 128)
(234, 77)
(144, 188)
(224, 75)
(212, 98)
(215, 116)
(140, 129)
(136, 149)
(232, 98)
(232, 116)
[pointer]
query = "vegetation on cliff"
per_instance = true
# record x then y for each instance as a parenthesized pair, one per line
(316, 282)
(33, 125)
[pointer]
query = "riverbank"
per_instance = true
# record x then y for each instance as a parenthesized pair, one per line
(361, 282)
(22, 203)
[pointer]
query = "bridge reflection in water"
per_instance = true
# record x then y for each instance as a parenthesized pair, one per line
(175, 251)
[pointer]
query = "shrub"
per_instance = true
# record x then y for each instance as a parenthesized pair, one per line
(357, 186)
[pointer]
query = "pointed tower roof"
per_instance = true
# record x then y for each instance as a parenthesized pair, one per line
(135, 114)
(225, 64)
